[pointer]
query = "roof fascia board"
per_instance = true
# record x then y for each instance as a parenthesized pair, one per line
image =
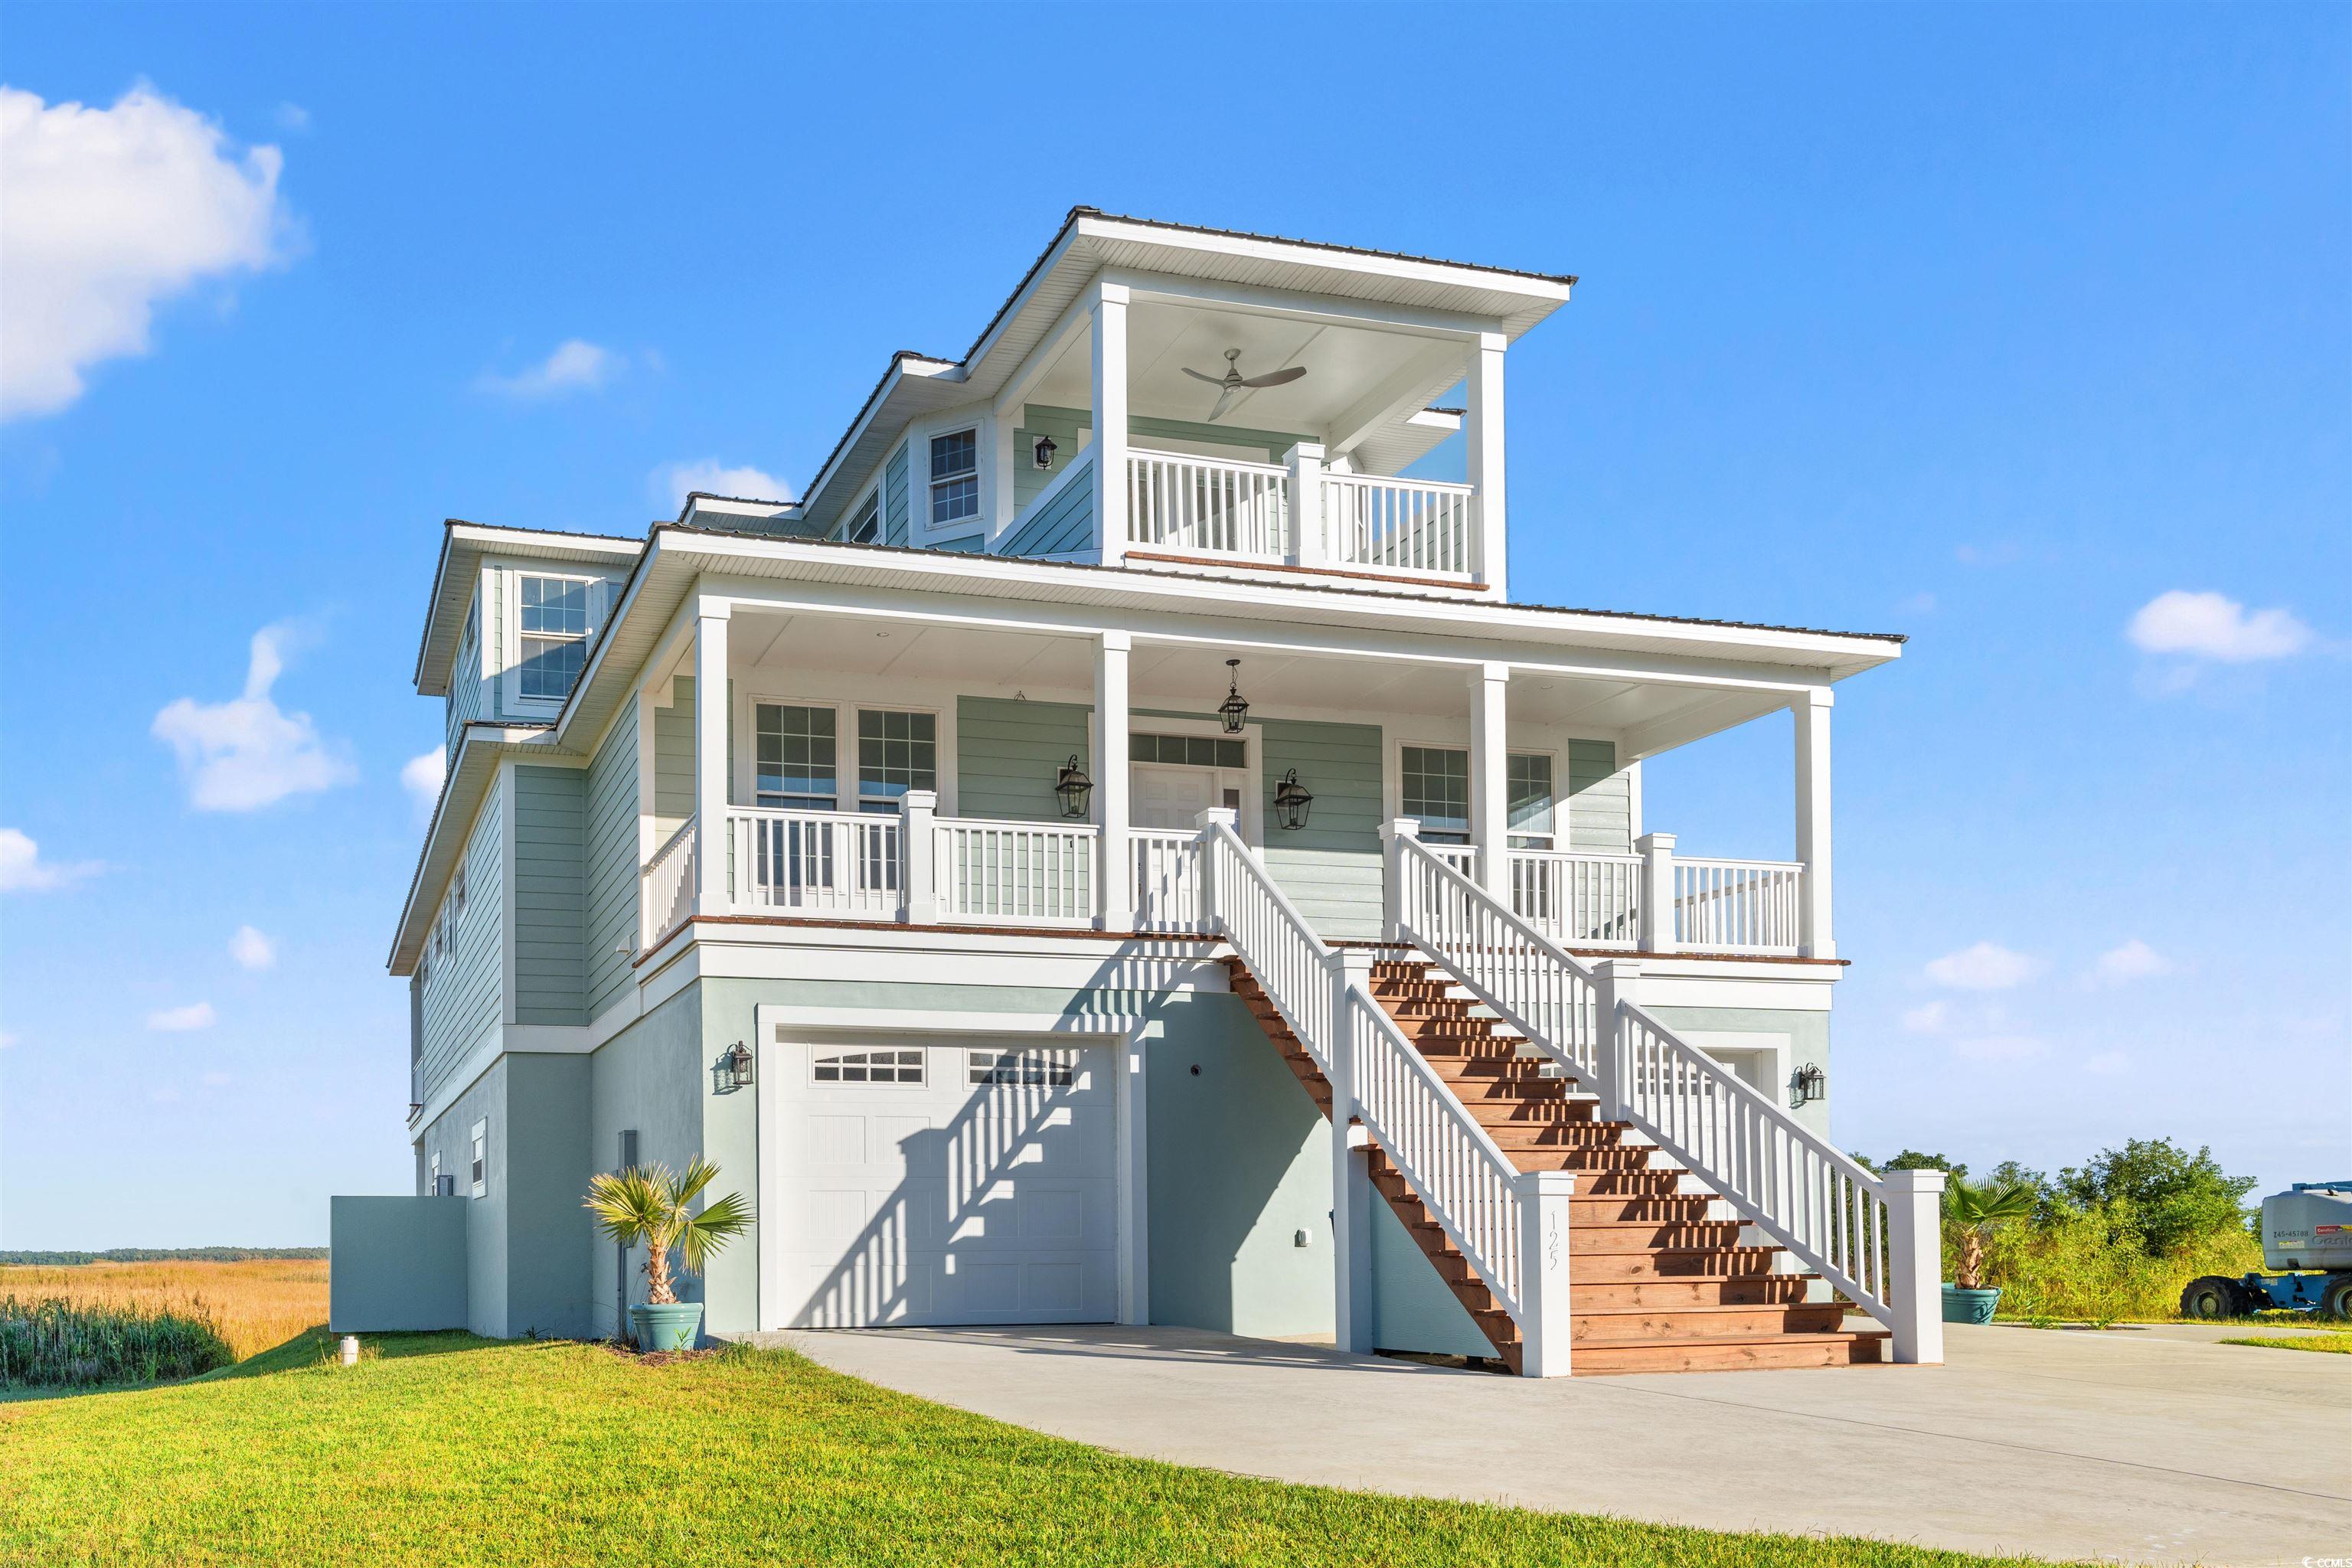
(877, 406)
(1283, 252)
(1045, 267)
(1302, 305)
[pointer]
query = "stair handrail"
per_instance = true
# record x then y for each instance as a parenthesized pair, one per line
(1781, 1175)
(1464, 1179)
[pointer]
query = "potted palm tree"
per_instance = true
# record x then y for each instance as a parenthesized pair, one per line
(649, 1203)
(1972, 1212)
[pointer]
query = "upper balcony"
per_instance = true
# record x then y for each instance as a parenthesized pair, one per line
(1175, 399)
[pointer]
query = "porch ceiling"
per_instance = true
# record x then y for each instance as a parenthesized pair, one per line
(1648, 716)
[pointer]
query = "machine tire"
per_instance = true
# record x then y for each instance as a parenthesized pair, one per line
(2335, 1297)
(2211, 1296)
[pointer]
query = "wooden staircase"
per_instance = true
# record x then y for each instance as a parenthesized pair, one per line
(1656, 1284)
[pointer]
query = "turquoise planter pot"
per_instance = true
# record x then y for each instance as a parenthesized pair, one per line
(1969, 1306)
(672, 1326)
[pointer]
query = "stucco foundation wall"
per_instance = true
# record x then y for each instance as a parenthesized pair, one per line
(643, 1078)
(1809, 1041)
(396, 1265)
(450, 1134)
(548, 1231)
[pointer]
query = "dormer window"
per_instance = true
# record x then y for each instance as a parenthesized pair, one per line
(867, 525)
(554, 634)
(955, 477)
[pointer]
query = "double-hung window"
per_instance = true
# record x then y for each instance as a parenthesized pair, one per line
(796, 762)
(554, 634)
(1530, 800)
(897, 752)
(1436, 789)
(955, 477)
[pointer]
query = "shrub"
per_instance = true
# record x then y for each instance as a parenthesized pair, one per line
(52, 1341)
(2093, 1265)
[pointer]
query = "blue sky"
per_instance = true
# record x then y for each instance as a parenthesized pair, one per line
(1992, 326)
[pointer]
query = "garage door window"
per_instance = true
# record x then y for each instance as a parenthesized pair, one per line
(870, 1066)
(1053, 1068)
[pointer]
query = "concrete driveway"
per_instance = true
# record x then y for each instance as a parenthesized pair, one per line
(2152, 1446)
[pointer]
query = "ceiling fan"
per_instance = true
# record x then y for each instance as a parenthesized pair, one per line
(1234, 383)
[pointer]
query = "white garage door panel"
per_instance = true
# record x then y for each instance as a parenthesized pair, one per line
(945, 1201)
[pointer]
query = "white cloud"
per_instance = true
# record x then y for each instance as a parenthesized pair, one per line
(110, 212)
(180, 1020)
(575, 365)
(22, 869)
(421, 775)
(292, 117)
(1929, 1018)
(671, 482)
(246, 753)
(252, 950)
(1987, 967)
(2209, 625)
(2107, 1064)
(1999, 1047)
(2135, 960)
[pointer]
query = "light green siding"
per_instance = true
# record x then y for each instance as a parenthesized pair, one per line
(1599, 799)
(551, 973)
(1331, 867)
(894, 499)
(1008, 753)
(674, 759)
(1063, 425)
(610, 836)
(464, 702)
(462, 1000)
(1065, 525)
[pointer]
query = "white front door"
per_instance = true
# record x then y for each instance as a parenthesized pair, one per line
(919, 1180)
(1171, 795)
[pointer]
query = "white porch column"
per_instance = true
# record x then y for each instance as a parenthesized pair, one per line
(1309, 545)
(1914, 1251)
(1656, 919)
(1547, 1326)
(1112, 874)
(1483, 431)
(1110, 425)
(710, 707)
(919, 880)
(1351, 1179)
(1490, 780)
(1812, 714)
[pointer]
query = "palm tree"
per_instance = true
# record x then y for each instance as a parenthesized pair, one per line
(1975, 1210)
(650, 1204)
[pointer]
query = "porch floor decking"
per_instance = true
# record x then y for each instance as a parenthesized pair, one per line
(2143, 1446)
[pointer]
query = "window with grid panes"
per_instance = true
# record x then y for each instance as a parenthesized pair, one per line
(955, 477)
(1436, 790)
(895, 752)
(554, 634)
(1188, 751)
(1530, 800)
(796, 765)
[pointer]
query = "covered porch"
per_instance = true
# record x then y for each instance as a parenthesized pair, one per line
(944, 769)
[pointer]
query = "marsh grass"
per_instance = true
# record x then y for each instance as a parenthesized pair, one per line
(251, 1304)
(51, 1341)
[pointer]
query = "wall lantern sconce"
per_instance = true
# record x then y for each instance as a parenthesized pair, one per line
(1073, 788)
(1042, 454)
(1291, 800)
(733, 1071)
(1808, 1084)
(1234, 709)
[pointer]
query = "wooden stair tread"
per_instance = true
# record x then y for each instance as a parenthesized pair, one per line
(1818, 1336)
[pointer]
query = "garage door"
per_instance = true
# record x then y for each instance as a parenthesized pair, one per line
(927, 1182)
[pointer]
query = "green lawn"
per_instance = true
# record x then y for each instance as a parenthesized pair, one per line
(2331, 1343)
(444, 1449)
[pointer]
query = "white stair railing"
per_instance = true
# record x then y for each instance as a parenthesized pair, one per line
(1481, 1201)
(1167, 882)
(666, 887)
(1873, 1240)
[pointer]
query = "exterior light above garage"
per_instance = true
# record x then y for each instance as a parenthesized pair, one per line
(1073, 787)
(733, 1071)
(1291, 800)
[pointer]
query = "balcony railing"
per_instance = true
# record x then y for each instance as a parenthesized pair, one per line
(1252, 512)
(923, 868)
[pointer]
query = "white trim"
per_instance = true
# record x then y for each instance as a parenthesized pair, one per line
(1775, 1044)
(509, 924)
(478, 1157)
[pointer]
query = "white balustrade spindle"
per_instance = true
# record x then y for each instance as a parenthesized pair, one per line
(666, 887)
(1023, 873)
(816, 862)
(1168, 885)
(1739, 906)
(1578, 901)
(1399, 525)
(1209, 505)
